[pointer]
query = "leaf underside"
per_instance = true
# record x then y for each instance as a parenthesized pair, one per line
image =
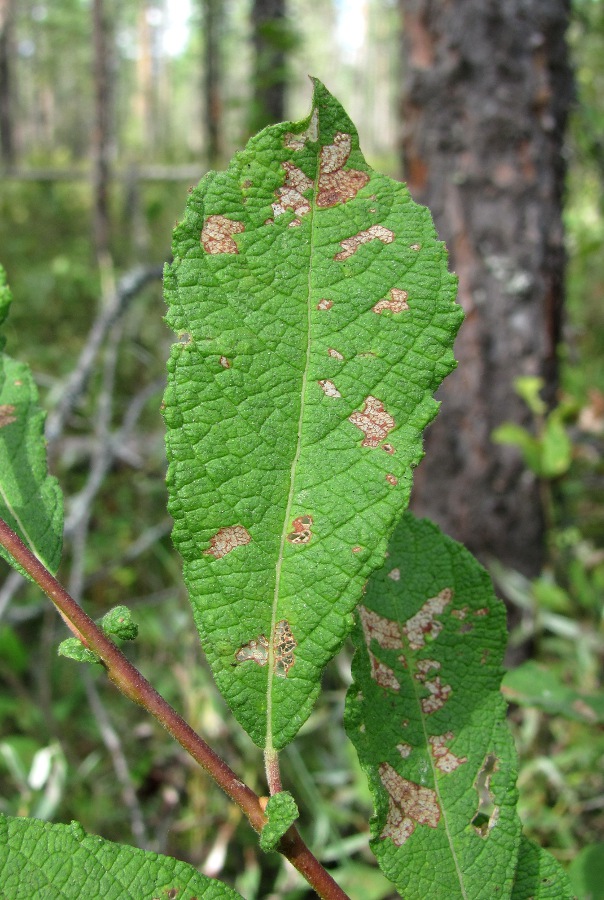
(316, 318)
(428, 720)
(62, 862)
(30, 499)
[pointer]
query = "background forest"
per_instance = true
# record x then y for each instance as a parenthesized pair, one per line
(109, 112)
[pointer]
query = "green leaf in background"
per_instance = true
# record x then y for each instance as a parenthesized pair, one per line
(316, 317)
(30, 500)
(40, 861)
(281, 811)
(428, 720)
(5, 302)
(586, 872)
(540, 876)
(532, 685)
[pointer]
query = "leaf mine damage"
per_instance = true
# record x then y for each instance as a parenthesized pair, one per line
(329, 388)
(373, 421)
(337, 185)
(284, 645)
(409, 805)
(396, 304)
(351, 245)
(226, 540)
(444, 759)
(217, 234)
(290, 196)
(424, 625)
(300, 533)
(487, 813)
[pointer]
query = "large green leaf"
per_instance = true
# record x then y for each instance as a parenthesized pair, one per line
(316, 317)
(428, 721)
(30, 500)
(40, 861)
(540, 876)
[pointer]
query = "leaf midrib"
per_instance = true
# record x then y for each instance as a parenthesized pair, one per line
(269, 746)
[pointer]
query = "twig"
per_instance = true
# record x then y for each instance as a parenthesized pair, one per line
(132, 683)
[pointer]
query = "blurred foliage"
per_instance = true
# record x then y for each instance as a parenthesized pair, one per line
(53, 762)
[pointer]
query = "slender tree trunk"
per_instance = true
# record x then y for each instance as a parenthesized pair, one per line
(212, 31)
(272, 38)
(486, 96)
(7, 143)
(101, 139)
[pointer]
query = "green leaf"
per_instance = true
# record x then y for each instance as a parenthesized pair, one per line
(316, 317)
(531, 685)
(30, 500)
(586, 872)
(556, 448)
(118, 623)
(5, 302)
(62, 862)
(528, 388)
(539, 875)
(282, 812)
(73, 648)
(517, 436)
(428, 721)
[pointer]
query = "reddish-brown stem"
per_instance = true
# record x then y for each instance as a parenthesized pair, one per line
(131, 683)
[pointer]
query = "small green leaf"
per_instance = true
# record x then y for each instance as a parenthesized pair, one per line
(556, 448)
(539, 876)
(586, 872)
(316, 318)
(531, 685)
(428, 721)
(30, 500)
(118, 623)
(517, 436)
(528, 388)
(73, 648)
(282, 812)
(62, 862)
(5, 302)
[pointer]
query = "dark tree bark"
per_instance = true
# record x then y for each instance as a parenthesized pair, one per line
(7, 143)
(486, 96)
(101, 136)
(272, 38)
(212, 33)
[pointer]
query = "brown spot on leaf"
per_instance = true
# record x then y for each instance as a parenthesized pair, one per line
(392, 479)
(324, 304)
(351, 245)
(6, 414)
(382, 674)
(445, 759)
(373, 421)
(226, 540)
(396, 304)
(415, 247)
(336, 184)
(424, 666)
(224, 362)
(405, 750)
(409, 805)
(439, 694)
(460, 613)
(389, 449)
(377, 628)
(329, 388)
(284, 645)
(395, 574)
(300, 533)
(357, 549)
(334, 353)
(481, 612)
(423, 624)
(290, 196)
(217, 234)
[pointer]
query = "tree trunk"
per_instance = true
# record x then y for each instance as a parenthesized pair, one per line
(271, 38)
(486, 97)
(101, 137)
(7, 143)
(212, 32)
